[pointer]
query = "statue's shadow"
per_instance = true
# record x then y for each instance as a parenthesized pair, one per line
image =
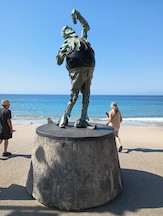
(140, 190)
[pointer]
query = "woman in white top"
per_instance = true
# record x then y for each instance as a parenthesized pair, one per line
(115, 119)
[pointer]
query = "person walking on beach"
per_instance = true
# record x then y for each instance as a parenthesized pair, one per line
(114, 118)
(6, 125)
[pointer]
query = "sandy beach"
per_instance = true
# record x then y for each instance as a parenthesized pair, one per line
(141, 164)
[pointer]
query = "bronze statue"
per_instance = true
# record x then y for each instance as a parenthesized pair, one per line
(80, 63)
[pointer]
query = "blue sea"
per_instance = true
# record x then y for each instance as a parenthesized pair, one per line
(136, 110)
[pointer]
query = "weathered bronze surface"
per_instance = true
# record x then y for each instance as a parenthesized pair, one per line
(80, 62)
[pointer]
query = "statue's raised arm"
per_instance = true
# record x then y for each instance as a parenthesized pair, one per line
(72, 40)
(85, 26)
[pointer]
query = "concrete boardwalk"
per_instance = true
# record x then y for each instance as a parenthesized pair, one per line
(142, 173)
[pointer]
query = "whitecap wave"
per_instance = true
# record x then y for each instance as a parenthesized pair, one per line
(22, 119)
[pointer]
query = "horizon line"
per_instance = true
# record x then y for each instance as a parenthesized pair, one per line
(134, 94)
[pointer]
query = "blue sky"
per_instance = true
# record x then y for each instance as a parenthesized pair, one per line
(127, 36)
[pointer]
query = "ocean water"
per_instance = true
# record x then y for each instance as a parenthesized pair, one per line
(136, 110)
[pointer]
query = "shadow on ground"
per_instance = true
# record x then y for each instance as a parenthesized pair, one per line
(141, 190)
(16, 155)
(143, 150)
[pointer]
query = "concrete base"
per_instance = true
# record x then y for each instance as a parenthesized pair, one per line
(74, 168)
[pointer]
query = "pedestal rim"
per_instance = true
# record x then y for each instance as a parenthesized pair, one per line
(52, 131)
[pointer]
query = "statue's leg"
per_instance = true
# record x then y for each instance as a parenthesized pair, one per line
(64, 119)
(86, 94)
(71, 103)
(85, 89)
(76, 81)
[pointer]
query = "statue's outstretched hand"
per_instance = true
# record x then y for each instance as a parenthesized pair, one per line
(85, 26)
(75, 15)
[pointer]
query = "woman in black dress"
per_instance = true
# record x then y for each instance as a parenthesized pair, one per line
(6, 123)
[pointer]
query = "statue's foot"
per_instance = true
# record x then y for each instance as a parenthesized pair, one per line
(83, 124)
(63, 122)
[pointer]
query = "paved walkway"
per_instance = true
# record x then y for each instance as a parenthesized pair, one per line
(142, 174)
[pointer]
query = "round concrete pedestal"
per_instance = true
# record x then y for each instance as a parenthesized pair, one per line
(74, 168)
